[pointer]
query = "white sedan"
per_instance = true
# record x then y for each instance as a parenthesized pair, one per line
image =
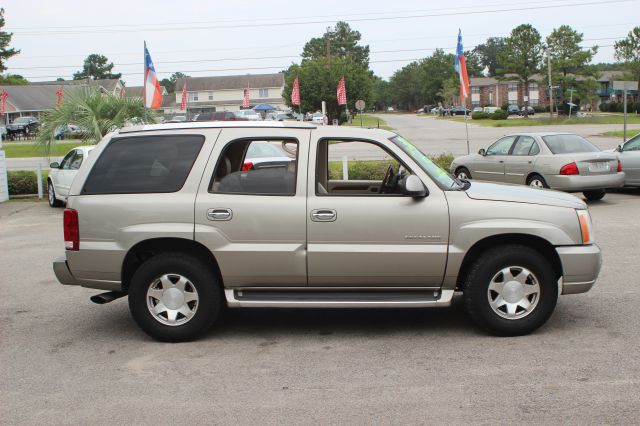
(61, 175)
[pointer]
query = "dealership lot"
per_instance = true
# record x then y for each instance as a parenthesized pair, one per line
(64, 359)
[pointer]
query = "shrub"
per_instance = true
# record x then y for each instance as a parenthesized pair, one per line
(604, 107)
(500, 114)
(443, 160)
(505, 106)
(538, 108)
(635, 107)
(24, 182)
(480, 115)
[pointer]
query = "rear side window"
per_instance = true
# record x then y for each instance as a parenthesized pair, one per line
(568, 144)
(144, 164)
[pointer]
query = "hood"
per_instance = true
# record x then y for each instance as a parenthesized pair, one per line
(523, 194)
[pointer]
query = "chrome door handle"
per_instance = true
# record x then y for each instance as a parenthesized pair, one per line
(323, 215)
(219, 214)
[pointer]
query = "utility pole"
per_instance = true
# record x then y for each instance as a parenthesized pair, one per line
(328, 46)
(550, 86)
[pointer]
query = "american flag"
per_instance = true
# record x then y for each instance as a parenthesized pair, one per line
(183, 102)
(3, 102)
(245, 101)
(342, 93)
(295, 93)
(460, 66)
(151, 94)
(60, 95)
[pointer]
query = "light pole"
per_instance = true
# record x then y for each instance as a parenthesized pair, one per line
(550, 84)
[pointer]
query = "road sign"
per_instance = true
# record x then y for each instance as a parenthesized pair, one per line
(625, 85)
(360, 105)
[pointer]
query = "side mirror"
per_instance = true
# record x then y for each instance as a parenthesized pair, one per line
(482, 152)
(619, 148)
(54, 165)
(413, 186)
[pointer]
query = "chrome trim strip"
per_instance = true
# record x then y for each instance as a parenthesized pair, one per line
(444, 301)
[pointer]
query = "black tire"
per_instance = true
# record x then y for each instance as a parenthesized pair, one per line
(488, 265)
(536, 177)
(595, 195)
(463, 170)
(53, 201)
(202, 278)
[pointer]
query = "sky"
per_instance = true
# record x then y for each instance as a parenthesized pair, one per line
(208, 38)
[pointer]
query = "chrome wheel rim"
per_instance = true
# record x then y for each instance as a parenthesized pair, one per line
(52, 197)
(513, 292)
(536, 183)
(172, 299)
(462, 175)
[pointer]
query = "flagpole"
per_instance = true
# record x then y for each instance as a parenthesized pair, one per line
(466, 127)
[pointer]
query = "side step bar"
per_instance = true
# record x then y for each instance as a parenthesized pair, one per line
(337, 299)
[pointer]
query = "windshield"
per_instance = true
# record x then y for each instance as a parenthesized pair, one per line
(21, 120)
(263, 150)
(568, 144)
(443, 178)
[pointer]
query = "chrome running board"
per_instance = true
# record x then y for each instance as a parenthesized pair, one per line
(238, 298)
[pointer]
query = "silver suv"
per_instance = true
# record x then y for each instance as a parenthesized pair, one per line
(180, 219)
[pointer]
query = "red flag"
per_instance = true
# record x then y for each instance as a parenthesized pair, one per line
(60, 95)
(245, 101)
(3, 102)
(460, 66)
(295, 93)
(183, 102)
(342, 93)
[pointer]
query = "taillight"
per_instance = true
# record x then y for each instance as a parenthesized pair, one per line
(247, 166)
(71, 230)
(619, 167)
(569, 169)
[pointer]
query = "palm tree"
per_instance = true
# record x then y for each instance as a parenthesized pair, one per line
(96, 113)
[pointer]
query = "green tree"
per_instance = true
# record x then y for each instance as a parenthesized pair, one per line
(319, 82)
(474, 67)
(96, 67)
(569, 61)
(170, 83)
(381, 94)
(487, 54)
(5, 39)
(96, 112)
(628, 52)
(450, 91)
(13, 80)
(342, 42)
(522, 55)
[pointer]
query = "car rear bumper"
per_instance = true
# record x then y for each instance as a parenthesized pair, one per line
(63, 274)
(585, 183)
(580, 267)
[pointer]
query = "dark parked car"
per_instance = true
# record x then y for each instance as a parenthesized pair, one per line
(513, 110)
(530, 111)
(219, 116)
(459, 110)
(22, 126)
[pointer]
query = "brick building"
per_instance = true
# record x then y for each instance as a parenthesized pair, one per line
(489, 91)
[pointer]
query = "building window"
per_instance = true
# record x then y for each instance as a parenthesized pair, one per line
(475, 103)
(210, 96)
(475, 90)
(264, 93)
(533, 87)
(192, 96)
(513, 87)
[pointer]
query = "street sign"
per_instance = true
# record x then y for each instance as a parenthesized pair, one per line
(625, 85)
(360, 105)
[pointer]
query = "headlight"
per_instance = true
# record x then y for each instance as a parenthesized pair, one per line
(585, 226)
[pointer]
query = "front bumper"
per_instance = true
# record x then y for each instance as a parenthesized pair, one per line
(580, 267)
(63, 274)
(584, 182)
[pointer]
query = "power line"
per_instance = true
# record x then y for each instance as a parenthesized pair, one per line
(290, 23)
(425, 49)
(245, 69)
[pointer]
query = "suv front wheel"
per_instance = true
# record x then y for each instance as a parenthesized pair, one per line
(511, 290)
(174, 297)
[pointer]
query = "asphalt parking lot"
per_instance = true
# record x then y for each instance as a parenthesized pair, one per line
(66, 360)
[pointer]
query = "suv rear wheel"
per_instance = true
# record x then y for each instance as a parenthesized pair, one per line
(511, 290)
(174, 297)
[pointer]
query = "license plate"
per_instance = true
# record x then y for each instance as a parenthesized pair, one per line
(600, 166)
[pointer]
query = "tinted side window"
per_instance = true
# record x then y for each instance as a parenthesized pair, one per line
(66, 161)
(242, 170)
(141, 164)
(523, 146)
(77, 160)
(535, 149)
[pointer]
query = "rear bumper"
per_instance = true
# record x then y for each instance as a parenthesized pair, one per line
(580, 267)
(585, 183)
(63, 274)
